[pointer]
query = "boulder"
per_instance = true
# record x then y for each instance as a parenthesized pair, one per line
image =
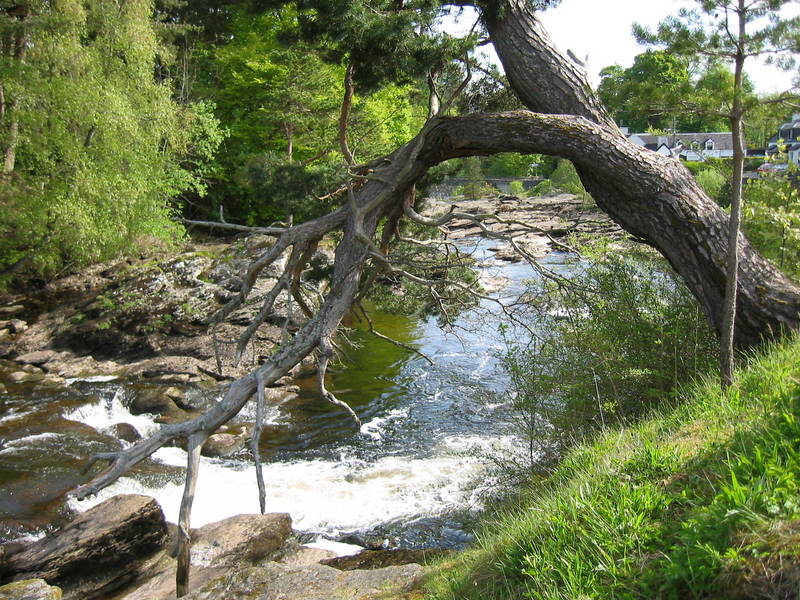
(17, 326)
(274, 581)
(152, 400)
(242, 538)
(37, 358)
(125, 432)
(162, 586)
(220, 445)
(30, 589)
(99, 551)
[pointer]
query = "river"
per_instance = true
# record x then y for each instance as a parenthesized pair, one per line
(415, 473)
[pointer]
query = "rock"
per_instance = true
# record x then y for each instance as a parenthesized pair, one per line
(36, 358)
(220, 445)
(302, 556)
(377, 559)
(152, 400)
(241, 538)
(18, 376)
(98, 552)
(125, 432)
(162, 585)
(30, 589)
(274, 581)
(12, 309)
(305, 368)
(17, 326)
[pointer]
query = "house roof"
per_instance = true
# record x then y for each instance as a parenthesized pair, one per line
(722, 140)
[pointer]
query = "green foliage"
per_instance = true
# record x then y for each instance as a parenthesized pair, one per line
(510, 164)
(615, 342)
(516, 188)
(771, 219)
(712, 182)
(564, 178)
(282, 188)
(697, 502)
(102, 148)
(450, 273)
(476, 186)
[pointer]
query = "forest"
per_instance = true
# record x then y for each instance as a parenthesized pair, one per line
(283, 158)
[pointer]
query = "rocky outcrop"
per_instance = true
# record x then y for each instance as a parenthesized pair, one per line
(30, 589)
(99, 551)
(243, 538)
(275, 581)
(538, 223)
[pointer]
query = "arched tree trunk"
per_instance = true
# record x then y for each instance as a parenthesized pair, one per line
(649, 195)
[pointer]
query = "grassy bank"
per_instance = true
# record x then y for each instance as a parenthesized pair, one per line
(701, 501)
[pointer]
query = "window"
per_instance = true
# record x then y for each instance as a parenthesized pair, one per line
(709, 144)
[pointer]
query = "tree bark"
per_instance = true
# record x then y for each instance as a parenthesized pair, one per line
(651, 196)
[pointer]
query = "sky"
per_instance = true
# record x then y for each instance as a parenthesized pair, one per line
(601, 31)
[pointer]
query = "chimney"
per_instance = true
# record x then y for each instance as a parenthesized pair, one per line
(624, 130)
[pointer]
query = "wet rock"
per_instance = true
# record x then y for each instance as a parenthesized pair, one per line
(17, 326)
(377, 559)
(152, 400)
(305, 368)
(125, 432)
(98, 552)
(273, 581)
(220, 445)
(243, 538)
(30, 589)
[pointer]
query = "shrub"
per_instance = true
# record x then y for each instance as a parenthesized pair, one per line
(712, 182)
(612, 344)
(771, 219)
(516, 188)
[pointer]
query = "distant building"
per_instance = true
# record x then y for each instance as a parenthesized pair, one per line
(787, 140)
(688, 146)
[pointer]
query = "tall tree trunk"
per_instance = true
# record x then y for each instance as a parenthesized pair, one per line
(662, 205)
(728, 333)
(10, 151)
(344, 115)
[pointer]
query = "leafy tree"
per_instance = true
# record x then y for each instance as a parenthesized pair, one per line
(643, 96)
(95, 148)
(731, 31)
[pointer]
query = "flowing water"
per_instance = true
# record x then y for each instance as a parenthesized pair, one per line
(416, 471)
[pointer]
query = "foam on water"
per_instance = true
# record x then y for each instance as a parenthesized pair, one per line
(107, 412)
(326, 497)
(375, 428)
(30, 441)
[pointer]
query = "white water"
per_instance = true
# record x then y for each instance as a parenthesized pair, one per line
(427, 452)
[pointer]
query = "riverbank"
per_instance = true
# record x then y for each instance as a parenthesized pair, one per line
(404, 478)
(145, 316)
(695, 502)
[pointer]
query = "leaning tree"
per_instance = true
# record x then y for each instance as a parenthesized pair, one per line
(653, 197)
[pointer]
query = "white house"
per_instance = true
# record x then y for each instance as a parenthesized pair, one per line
(689, 146)
(787, 140)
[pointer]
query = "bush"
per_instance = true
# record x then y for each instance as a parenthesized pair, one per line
(516, 188)
(613, 343)
(564, 178)
(283, 188)
(771, 219)
(712, 182)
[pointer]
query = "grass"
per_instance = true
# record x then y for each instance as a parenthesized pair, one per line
(700, 501)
